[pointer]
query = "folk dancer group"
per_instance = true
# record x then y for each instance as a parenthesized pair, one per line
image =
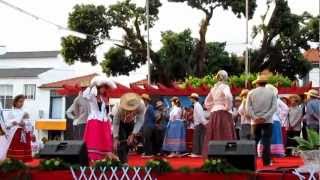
(260, 114)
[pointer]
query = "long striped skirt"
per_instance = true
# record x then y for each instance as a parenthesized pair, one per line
(20, 150)
(175, 137)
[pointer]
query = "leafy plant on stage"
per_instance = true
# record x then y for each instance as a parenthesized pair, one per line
(159, 165)
(53, 164)
(312, 143)
(10, 165)
(107, 163)
(218, 166)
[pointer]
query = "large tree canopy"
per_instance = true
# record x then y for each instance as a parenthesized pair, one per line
(208, 7)
(283, 38)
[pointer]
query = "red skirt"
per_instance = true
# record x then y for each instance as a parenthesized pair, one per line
(219, 127)
(19, 150)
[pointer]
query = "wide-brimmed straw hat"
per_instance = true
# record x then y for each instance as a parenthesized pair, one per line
(130, 101)
(244, 92)
(312, 93)
(146, 97)
(101, 81)
(159, 104)
(194, 96)
(261, 79)
(175, 98)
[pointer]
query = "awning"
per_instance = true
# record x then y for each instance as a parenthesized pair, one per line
(51, 124)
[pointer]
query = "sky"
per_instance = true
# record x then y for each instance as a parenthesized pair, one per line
(19, 32)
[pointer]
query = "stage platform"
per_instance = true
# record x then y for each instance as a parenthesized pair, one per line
(277, 171)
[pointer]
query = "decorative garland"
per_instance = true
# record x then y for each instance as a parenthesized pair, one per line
(10, 165)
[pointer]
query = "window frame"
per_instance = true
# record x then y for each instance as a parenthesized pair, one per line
(33, 96)
(4, 98)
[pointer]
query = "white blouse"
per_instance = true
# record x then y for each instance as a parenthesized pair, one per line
(175, 113)
(16, 115)
(94, 112)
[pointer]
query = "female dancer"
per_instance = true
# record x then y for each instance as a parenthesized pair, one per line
(19, 134)
(219, 102)
(175, 137)
(98, 135)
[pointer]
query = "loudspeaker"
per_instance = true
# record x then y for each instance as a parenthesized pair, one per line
(73, 152)
(240, 154)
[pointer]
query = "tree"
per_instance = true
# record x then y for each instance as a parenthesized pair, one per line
(208, 7)
(283, 37)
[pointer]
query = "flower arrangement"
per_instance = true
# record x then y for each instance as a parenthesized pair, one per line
(218, 166)
(53, 164)
(236, 81)
(108, 163)
(159, 165)
(10, 165)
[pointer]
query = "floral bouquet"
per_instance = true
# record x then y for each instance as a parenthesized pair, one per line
(10, 165)
(53, 164)
(159, 165)
(218, 166)
(108, 162)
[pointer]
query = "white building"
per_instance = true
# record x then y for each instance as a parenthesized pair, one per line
(24, 73)
(313, 56)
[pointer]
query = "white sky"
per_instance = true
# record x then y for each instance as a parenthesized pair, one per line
(22, 33)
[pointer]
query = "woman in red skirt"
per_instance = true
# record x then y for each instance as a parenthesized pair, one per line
(219, 102)
(19, 134)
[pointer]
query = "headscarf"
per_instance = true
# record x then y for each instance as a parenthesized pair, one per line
(222, 75)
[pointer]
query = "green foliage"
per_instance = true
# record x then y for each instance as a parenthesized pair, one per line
(283, 38)
(10, 165)
(313, 142)
(88, 19)
(107, 163)
(159, 165)
(53, 164)
(186, 169)
(218, 166)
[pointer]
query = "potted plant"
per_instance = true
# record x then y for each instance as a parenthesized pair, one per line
(309, 149)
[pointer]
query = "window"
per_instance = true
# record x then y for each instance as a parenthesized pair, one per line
(30, 91)
(6, 95)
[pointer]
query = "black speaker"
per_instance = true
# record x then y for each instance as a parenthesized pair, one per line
(73, 152)
(240, 154)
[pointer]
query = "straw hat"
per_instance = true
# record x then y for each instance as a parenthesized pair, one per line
(194, 95)
(244, 92)
(102, 80)
(261, 79)
(146, 97)
(159, 104)
(175, 98)
(312, 93)
(130, 101)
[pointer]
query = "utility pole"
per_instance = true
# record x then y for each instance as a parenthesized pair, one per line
(148, 43)
(247, 43)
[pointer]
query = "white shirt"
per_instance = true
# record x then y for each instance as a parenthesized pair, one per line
(175, 114)
(94, 112)
(198, 114)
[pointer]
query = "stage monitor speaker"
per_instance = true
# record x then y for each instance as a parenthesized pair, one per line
(73, 152)
(240, 154)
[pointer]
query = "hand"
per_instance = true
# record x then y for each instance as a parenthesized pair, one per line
(130, 139)
(14, 123)
(115, 144)
(26, 116)
(112, 156)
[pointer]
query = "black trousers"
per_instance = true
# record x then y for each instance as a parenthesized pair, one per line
(158, 140)
(125, 130)
(78, 131)
(148, 140)
(263, 132)
(198, 139)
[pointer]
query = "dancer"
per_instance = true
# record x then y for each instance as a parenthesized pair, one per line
(277, 145)
(162, 117)
(127, 122)
(199, 126)
(312, 115)
(148, 129)
(294, 122)
(236, 116)
(19, 133)
(245, 129)
(97, 135)
(78, 112)
(175, 137)
(219, 102)
(261, 106)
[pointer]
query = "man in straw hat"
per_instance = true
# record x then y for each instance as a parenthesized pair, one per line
(294, 122)
(199, 121)
(245, 130)
(148, 127)
(312, 115)
(162, 118)
(261, 106)
(127, 122)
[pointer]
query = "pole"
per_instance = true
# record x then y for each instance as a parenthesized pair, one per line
(247, 43)
(148, 43)
(319, 54)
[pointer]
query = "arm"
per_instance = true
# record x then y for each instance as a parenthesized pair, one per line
(72, 110)
(249, 106)
(312, 111)
(199, 114)
(228, 94)
(208, 103)
(139, 120)
(116, 122)
(272, 109)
